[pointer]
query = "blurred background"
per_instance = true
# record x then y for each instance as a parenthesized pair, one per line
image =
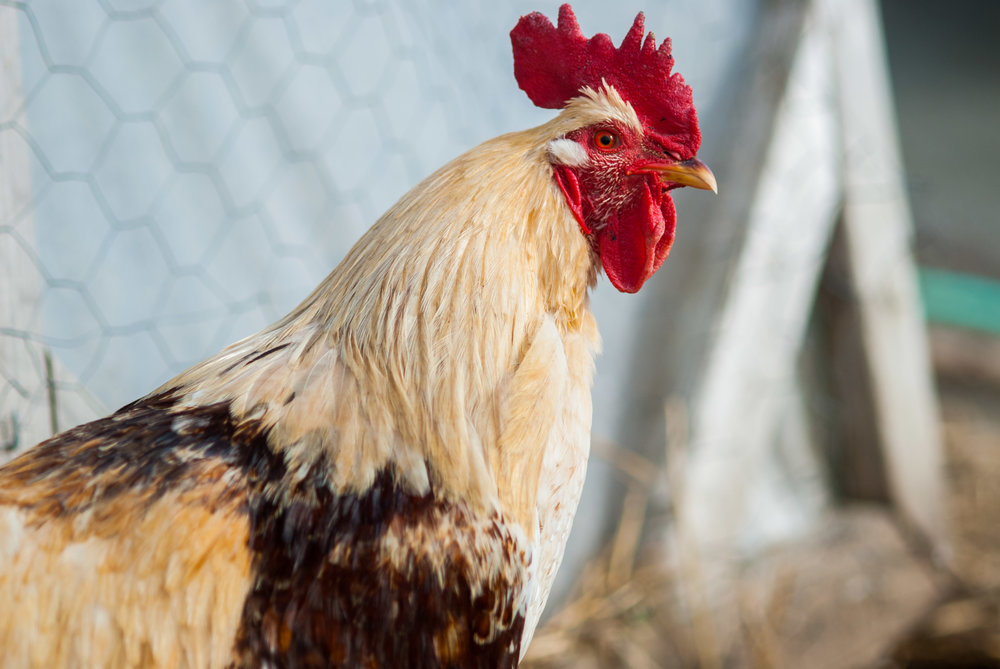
(796, 425)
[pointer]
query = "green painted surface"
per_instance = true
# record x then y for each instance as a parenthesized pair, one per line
(962, 300)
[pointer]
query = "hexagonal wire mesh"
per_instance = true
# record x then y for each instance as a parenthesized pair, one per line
(196, 167)
(186, 159)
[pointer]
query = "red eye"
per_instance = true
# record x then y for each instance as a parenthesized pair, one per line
(605, 140)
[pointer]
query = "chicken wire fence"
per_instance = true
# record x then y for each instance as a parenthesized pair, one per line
(189, 169)
(187, 158)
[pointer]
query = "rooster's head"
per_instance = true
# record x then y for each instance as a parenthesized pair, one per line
(630, 136)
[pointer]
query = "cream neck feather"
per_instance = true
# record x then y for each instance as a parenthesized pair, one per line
(406, 347)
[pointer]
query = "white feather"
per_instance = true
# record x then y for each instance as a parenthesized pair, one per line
(564, 151)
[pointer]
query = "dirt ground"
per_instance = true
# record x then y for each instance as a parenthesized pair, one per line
(964, 630)
(860, 592)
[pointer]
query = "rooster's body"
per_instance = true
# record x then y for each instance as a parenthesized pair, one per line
(386, 477)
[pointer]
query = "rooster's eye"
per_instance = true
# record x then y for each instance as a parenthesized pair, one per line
(606, 140)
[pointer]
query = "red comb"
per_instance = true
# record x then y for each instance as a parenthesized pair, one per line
(552, 64)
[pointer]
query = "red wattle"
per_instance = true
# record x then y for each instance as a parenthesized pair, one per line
(570, 187)
(636, 239)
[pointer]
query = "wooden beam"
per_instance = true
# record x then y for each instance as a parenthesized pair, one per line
(878, 235)
(749, 377)
(687, 294)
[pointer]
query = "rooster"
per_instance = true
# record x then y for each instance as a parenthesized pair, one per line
(387, 476)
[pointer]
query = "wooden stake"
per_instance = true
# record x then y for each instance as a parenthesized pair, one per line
(877, 232)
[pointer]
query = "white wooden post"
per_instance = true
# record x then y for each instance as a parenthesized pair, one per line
(834, 143)
(833, 152)
(749, 374)
(878, 231)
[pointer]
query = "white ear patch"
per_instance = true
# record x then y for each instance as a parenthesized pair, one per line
(567, 152)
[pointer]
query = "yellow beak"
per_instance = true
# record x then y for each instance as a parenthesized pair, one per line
(691, 172)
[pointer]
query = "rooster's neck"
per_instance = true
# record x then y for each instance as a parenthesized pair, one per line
(408, 346)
